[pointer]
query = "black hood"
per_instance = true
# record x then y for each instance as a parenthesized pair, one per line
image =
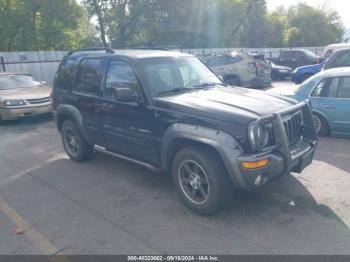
(229, 104)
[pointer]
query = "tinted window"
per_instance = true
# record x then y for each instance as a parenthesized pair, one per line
(17, 81)
(287, 55)
(65, 74)
(89, 76)
(344, 90)
(342, 60)
(300, 56)
(120, 75)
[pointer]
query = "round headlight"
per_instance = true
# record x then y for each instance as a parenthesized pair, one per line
(258, 136)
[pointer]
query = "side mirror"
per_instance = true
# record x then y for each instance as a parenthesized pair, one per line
(125, 94)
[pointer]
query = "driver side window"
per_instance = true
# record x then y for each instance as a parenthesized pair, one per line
(120, 75)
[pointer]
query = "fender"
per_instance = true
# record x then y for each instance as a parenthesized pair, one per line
(226, 146)
(64, 111)
(325, 117)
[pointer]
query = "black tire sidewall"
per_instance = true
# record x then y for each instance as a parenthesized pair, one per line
(324, 130)
(83, 148)
(216, 175)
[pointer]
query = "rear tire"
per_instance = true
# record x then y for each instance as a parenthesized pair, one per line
(201, 180)
(74, 143)
(321, 125)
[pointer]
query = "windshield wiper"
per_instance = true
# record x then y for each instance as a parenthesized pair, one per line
(179, 89)
(209, 84)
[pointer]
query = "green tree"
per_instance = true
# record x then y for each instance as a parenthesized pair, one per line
(43, 25)
(310, 26)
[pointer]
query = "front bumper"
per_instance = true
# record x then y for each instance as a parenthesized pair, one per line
(278, 165)
(283, 157)
(19, 112)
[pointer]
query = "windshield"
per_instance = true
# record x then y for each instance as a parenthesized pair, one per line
(17, 81)
(172, 74)
(309, 53)
(308, 84)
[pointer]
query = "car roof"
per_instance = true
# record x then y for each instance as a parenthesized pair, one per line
(13, 73)
(341, 50)
(334, 72)
(132, 53)
(338, 45)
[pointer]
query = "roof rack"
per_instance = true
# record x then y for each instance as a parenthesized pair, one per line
(150, 48)
(107, 49)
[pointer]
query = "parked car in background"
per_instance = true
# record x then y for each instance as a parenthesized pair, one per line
(339, 58)
(328, 50)
(168, 111)
(296, 57)
(301, 74)
(241, 69)
(280, 72)
(329, 94)
(21, 95)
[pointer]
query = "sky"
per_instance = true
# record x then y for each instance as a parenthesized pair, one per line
(342, 6)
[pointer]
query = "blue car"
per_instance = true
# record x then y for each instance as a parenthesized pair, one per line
(329, 94)
(302, 73)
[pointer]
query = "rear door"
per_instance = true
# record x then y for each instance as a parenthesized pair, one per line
(86, 95)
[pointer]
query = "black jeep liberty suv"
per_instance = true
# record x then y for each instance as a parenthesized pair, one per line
(168, 111)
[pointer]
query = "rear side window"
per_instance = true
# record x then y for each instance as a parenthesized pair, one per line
(89, 76)
(333, 87)
(65, 74)
(344, 90)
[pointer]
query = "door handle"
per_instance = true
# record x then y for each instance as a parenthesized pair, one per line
(328, 107)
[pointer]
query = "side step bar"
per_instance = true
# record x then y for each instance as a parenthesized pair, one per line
(129, 159)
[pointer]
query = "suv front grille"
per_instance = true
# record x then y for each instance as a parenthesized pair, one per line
(293, 125)
(39, 100)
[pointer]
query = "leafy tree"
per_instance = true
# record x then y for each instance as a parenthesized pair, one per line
(43, 25)
(310, 26)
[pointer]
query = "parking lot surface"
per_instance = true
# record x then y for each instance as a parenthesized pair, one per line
(51, 205)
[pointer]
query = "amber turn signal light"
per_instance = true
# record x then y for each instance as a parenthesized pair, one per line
(256, 164)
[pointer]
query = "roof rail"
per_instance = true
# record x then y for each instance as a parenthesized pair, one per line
(151, 48)
(107, 49)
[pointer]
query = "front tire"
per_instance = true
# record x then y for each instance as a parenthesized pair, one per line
(201, 180)
(74, 143)
(321, 125)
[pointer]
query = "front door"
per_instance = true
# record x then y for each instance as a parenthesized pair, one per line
(128, 123)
